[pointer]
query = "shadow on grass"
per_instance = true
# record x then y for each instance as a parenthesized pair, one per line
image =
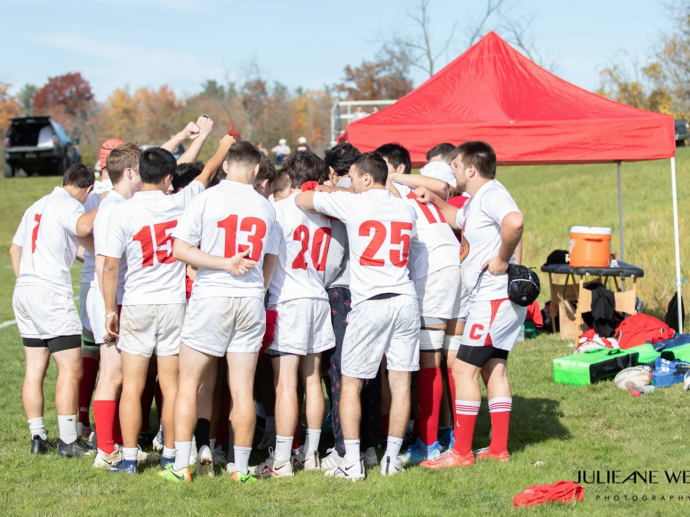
(533, 420)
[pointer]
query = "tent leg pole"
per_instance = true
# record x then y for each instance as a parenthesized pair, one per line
(620, 216)
(677, 244)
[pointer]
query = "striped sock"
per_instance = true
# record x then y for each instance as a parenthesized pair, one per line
(466, 412)
(499, 409)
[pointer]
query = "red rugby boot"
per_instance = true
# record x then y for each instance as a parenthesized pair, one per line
(449, 459)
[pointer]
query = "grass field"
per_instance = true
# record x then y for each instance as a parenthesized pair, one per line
(568, 429)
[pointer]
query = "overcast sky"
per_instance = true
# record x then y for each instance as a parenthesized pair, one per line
(181, 43)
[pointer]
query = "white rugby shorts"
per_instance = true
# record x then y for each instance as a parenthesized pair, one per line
(303, 327)
(220, 324)
(377, 327)
(41, 313)
(83, 312)
(95, 310)
(493, 323)
(149, 329)
(440, 293)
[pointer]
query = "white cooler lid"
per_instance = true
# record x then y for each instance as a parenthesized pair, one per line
(590, 229)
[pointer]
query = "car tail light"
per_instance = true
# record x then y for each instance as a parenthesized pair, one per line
(55, 140)
(7, 142)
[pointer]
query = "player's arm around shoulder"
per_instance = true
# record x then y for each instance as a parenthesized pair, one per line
(450, 213)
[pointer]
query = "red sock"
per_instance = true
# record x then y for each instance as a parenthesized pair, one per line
(298, 433)
(88, 383)
(385, 420)
(451, 383)
(105, 413)
(499, 409)
(117, 430)
(158, 396)
(430, 393)
(466, 412)
(147, 402)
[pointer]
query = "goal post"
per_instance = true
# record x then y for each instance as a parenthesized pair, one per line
(344, 112)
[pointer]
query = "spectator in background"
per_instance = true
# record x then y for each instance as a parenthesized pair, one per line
(281, 151)
(375, 109)
(302, 145)
(262, 149)
(358, 114)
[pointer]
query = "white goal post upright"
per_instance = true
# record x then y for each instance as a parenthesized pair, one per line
(337, 116)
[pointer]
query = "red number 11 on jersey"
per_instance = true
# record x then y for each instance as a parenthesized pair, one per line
(162, 232)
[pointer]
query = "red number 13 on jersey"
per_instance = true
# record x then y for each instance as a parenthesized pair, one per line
(253, 225)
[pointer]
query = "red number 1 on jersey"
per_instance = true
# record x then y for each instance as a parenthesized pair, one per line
(163, 237)
(427, 211)
(34, 233)
(253, 225)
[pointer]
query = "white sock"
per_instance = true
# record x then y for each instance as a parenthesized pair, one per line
(283, 448)
(393, 447)
(212, 443)
(183, 451)
(260, 411)
(242, 459)
(351, 450)
(168, 453)
(311, 442)
(270, 423)
(37, 428)
(68, 428)
(130, 454)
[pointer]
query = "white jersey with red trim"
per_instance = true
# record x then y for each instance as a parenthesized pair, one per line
(140, 231)
(301, 241)
(100, 241)
(441, 248)
(381, 231)
(480, 219)
(47, 237)
(224, 221)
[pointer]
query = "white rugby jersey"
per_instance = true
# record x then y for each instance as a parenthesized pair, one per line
(140, 231)
(100, 239)
(94, 199)
(440, 246)
(301, 241)
(223, 221)
(480, 219)
(49, 247)
(381, 229)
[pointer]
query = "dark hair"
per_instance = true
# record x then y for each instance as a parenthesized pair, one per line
(267, 171)
(304, 166)
(396, 154)
(155, 163)
(243, 153)
(374, 164)
(445, 150)
(341, 157)
(122, 157)
(481, 155)
(281, 182)
(185, 173)
(78, 175)
(220, 176)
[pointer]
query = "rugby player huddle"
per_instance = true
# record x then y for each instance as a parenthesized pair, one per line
(353, 266)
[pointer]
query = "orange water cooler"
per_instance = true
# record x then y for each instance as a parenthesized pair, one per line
(590, 246)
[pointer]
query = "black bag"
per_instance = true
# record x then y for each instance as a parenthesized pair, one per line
(523, 285)
(671, 318)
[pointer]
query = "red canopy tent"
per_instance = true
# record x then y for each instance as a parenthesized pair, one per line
(530, 116)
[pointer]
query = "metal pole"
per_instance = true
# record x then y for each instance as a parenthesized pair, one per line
(677, 244)
(620, 212)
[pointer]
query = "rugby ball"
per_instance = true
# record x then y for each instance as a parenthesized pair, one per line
(634, 377)
(589, 345)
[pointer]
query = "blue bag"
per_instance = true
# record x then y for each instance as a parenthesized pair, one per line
(667, 373)
(677, 340)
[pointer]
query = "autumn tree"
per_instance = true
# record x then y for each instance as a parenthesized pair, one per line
(9, 107)
(386, 77)
(68, 100)
(26, 99)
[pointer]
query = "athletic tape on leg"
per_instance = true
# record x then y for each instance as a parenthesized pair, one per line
(431, 339)
(451, 342)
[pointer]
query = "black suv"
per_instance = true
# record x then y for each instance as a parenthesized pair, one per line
(682, 128)
(38, 145)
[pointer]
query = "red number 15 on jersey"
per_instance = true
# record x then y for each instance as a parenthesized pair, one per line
(162, 232)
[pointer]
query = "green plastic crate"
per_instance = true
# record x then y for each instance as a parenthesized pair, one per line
(592, 366)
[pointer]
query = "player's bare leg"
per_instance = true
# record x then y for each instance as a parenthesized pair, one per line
(105, 399)
(194, 366)
(202, 431)
(134, 372)
(241, 370)
(37, 362)
(168, 372)
(286, 379)
(495, 376)
(400, 384)
(310, 377)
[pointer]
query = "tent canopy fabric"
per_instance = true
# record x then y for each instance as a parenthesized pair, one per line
(530, 116)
